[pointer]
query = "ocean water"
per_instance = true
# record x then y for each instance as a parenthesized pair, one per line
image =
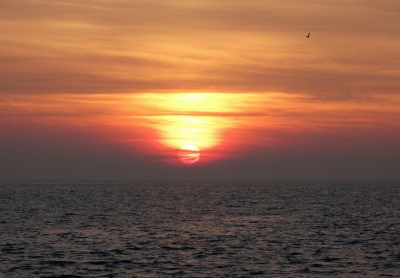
(199, 229)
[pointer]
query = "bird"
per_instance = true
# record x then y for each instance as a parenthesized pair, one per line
(308, 36)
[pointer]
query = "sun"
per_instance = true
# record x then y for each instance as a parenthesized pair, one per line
(189, 154)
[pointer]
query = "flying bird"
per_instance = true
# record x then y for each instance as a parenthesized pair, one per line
(308, 36)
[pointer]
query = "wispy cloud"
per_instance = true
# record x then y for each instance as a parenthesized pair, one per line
(235, 46)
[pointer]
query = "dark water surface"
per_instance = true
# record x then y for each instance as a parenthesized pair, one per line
(214, 229)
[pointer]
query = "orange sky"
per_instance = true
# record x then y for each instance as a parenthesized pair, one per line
(112, 89)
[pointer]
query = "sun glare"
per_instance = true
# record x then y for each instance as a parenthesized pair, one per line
(189, 118)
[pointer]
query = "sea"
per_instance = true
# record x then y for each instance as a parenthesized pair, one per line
(199, 229)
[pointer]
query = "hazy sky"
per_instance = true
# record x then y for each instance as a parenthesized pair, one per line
(111, 89)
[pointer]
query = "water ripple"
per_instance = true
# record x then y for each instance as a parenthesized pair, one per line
(199, 229)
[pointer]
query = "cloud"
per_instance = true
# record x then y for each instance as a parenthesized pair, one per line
(136, 46)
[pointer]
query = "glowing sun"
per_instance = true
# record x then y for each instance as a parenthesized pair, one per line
(189, 154)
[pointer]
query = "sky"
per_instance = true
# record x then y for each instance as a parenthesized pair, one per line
(112, 89)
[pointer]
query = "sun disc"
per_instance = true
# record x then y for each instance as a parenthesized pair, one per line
(189, 154)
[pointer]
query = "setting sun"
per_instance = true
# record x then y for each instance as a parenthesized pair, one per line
(189, 154)
(90, 91)
(186, 138)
